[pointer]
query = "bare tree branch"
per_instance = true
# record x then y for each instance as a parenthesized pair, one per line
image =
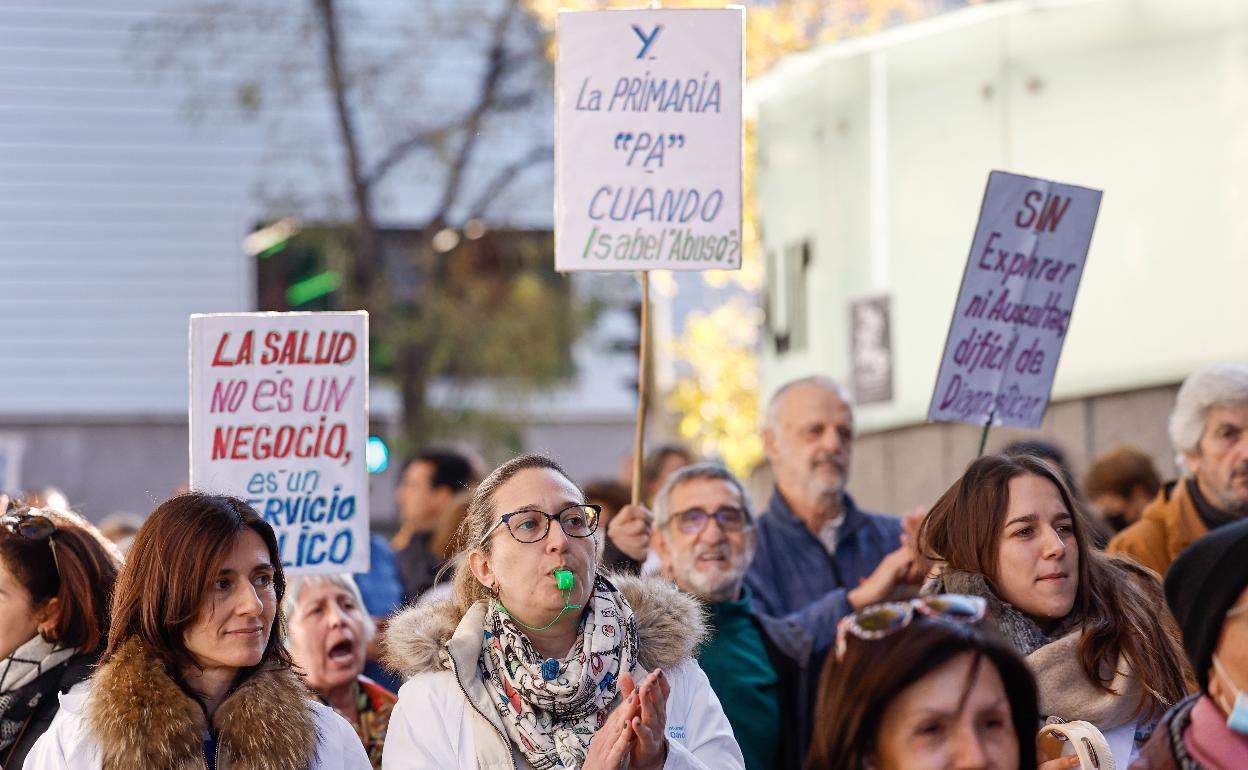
(400, 150)
(369, 256)
(507, 175)
(472, 124)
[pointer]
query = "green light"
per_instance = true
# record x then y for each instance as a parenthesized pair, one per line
(310, 288)
(377, 454)
(274, 249)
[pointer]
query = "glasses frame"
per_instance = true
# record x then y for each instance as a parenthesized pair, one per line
(922, 605)
(747, 520)
(506, 519)
(19, 524)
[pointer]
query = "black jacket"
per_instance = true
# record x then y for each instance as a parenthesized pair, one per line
(65, 676)
(791, 650)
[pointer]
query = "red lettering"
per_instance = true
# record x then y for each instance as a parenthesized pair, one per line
(217, 360)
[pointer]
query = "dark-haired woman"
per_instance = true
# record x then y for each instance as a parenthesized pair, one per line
(196, 672)
(56, 572)
(1093, 628)
(906, 692)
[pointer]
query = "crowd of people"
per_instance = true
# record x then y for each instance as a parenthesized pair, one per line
(520, 619)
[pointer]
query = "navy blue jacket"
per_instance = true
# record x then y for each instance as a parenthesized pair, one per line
(794, 578)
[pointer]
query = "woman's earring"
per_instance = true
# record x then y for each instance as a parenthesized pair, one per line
(492, 590)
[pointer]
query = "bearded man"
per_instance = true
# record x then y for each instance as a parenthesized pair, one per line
(820, 557)
(760, 668)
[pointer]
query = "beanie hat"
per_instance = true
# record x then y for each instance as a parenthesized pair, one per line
(1202, 585)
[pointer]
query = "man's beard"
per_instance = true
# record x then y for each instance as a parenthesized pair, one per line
(719, 585)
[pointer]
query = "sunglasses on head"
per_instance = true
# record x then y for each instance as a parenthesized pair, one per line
(35, 526)
(881, 620)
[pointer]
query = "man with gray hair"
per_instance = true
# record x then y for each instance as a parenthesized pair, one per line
(820, 557)
(1209, 430)
(759, 667)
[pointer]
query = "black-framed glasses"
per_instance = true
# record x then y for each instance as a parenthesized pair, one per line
(887, 618)
(729, 517)
(34, 526)
(530, 525)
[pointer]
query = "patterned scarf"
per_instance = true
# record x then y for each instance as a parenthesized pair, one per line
(19, 692)
(551, 720)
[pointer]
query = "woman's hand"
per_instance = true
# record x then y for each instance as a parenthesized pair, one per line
(649, 727)
(1061, 763)
(609, 746)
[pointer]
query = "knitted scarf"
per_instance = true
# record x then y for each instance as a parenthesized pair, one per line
(1064, 687)
(21, 690)
(551, 709)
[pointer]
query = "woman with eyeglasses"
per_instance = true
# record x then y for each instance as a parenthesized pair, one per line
(540, 661)
(196, 672)
(1093, 628)
(56, 572)
(923, 688)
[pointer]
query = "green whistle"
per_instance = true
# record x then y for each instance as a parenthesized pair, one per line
(563, 579)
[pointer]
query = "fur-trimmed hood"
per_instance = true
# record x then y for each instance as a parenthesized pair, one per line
(670, 627)
(144, 720)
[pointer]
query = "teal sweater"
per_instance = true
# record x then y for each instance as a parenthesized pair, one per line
(741, 674)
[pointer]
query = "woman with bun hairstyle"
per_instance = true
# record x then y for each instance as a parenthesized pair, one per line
(1092, 628)
(56, 572)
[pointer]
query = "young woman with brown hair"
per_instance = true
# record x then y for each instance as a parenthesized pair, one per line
(56, 572)
(1093, 628)
(196, 672)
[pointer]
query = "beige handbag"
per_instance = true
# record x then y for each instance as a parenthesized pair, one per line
(1060, 738)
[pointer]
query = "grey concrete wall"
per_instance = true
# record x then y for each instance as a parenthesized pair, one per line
(104, 467)
(894, 471)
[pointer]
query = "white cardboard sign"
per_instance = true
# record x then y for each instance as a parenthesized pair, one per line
(649, 138)
(1014, 308)
(279, 417)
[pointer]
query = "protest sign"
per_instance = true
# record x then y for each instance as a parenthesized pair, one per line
(279, 417)
(649, 137)
(1013, 311)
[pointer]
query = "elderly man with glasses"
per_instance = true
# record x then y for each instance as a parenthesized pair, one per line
(704, 535)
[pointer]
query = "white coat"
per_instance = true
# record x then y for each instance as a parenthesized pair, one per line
(131, 715)
(446, 718)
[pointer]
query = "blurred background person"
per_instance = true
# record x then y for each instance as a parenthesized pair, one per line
(381, 590)
(1207, 590)
(819, 555)
(1051, 453)
(517, 671)
(1209, 430)
(47, 499)
(120, 528)
(1010, 532)
(659, 463)
(428, 483)
(56, 573)
(614, 496)
(1120, 484)
(330, 629)
(445, 544)
(908, 692)
(196, 672)
(760, 667)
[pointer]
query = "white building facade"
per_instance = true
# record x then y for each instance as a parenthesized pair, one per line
(874, 155)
